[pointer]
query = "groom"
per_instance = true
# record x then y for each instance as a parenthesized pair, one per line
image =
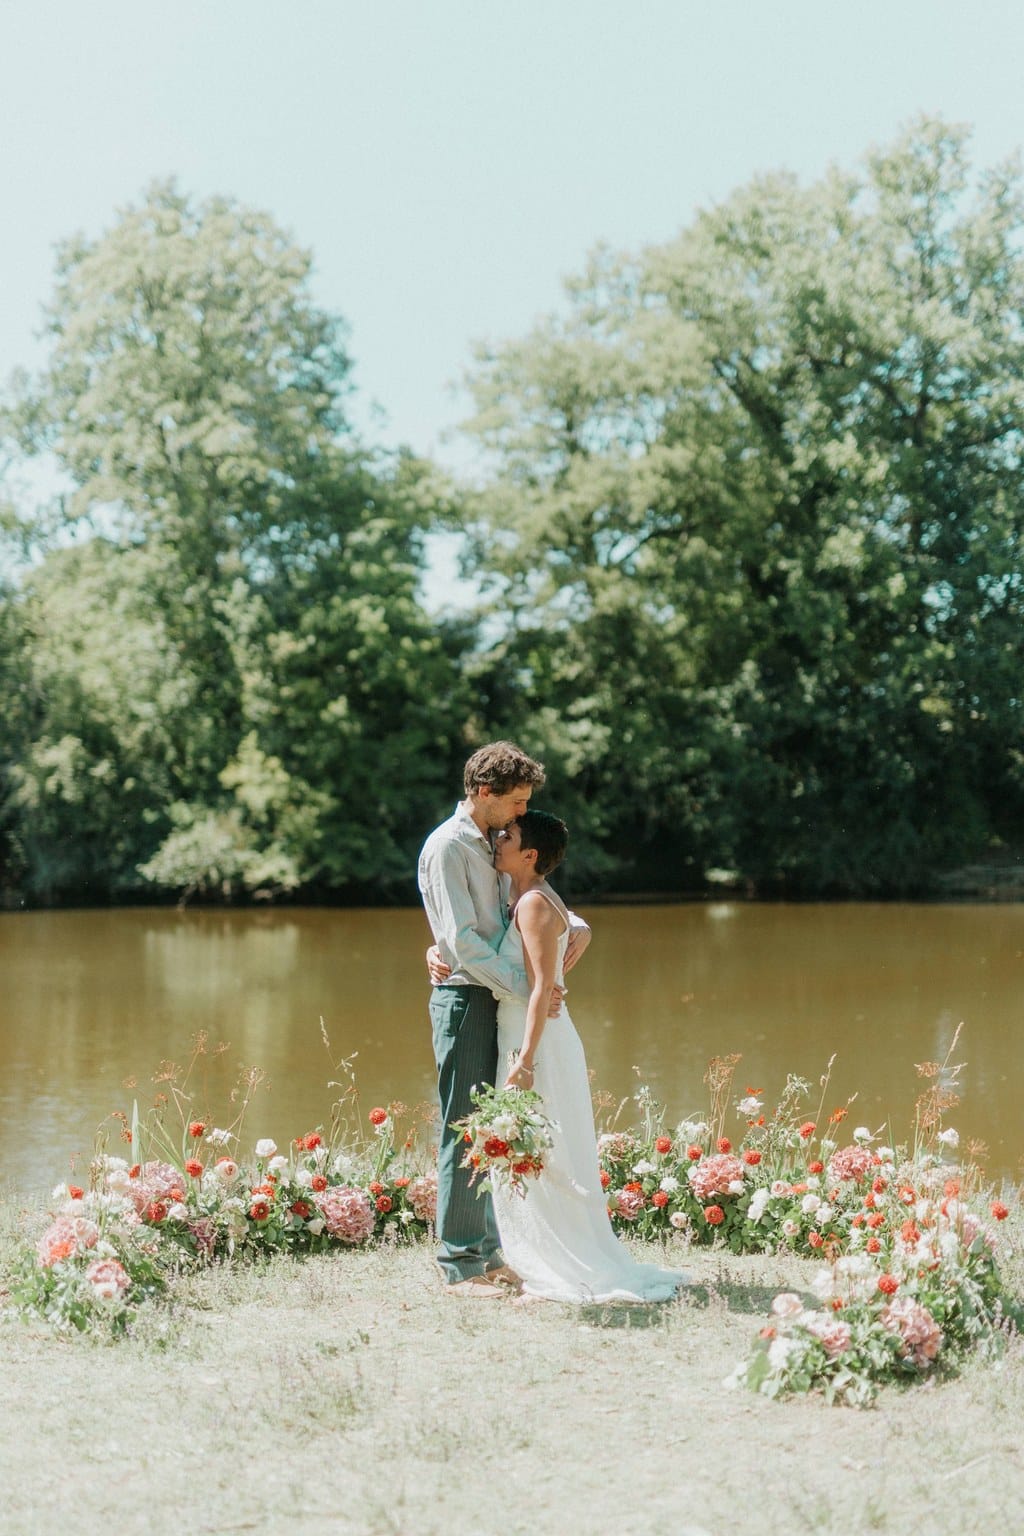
(465, 903)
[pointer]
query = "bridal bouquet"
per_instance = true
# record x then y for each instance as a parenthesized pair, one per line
(508, 1137)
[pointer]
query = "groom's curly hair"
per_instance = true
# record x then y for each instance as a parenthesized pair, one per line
(548, 834)
(502, 766)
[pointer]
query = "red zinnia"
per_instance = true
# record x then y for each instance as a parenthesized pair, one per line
(75, 1192)
(193, 1168)
(376, 1189)
(659, 1198)
(402, 1183)
(495, 1147)
(634, 1185)
(888, 1285)
(175, 1193)
(378, 1116)
(873, 1245)
(197, 1127)
(318, 1182)
(383, 1204)
(807, 1130)
(999, 1210)
(663, 1144)
(314, 1139)
(156, 1211)
(724, 1144)
(815, 1167)
(694, 1154)
(606, 1178)
(876, 1219)
(907, 1194)
(259, 1210)
(858, 1220)
(135, 1170)
(879, 1185)
(300, 1208)
(815, 1239)
(714, 1215)
(909, 1232)
(752, 1156)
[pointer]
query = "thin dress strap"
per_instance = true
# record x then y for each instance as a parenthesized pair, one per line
(535, 890)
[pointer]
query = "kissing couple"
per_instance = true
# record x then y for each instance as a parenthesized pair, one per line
(503, 943)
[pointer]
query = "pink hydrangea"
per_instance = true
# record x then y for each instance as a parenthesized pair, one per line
(832, 1331)
(629, 1203)
(714, 1175)
(850, 1163)
(65, 1237)
(155, 1182)
(920, 1335)
(617, 1145)
(108, 1278)
(347, 1213)
(422, 1197)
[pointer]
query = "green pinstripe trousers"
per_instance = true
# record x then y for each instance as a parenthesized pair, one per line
(465, 1028)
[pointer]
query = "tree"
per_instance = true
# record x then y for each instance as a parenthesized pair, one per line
(234, 685)
(757, 518)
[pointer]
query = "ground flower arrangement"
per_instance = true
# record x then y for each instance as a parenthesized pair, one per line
(903, 1242)
(906, 1241)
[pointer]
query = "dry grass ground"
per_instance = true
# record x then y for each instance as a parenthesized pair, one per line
(350, 1394)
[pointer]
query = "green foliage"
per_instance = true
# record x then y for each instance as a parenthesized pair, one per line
(758, 524)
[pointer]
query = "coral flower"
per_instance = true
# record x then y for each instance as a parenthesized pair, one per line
(663, 1144)
(383, 1204)
(888, 1285)
(873, 1245)
(378, 1189)
(259, 1210)
(314, 1140)
(694, 1153)
(197, 1128)
(807, 1130)
(816, 1167)
(301, 1208)
(659, 1198)
(714, 1215)
(752, 1157)
(402, 1183)
(724, 1144)
(606, 1178)
(318, 1182)
(75, 1192)
(378, 1116)
(999, 1210)
(815, 1239)
(194, 1168)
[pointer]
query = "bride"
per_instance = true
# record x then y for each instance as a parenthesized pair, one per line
(557, 1237)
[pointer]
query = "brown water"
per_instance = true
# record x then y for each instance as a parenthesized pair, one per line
(89, 999)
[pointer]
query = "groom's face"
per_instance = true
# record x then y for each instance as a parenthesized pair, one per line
(500, 810)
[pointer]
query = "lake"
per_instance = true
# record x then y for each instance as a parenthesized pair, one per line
(91, 1000)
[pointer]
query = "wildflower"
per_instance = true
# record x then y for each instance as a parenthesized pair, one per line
(276, 1165)
(75, 1192)
(694, 1153)
(265, 1147)
(714, 1215)
(879, 1185)
(862, 1134)
(194, 1168)
(108, 1278)
(949, 1137)
(999, 1210)
(807, 1130)
(780, 1187)
(669, 1184)
(606, 1178)
(816, 1167)
(724, 1144)
(378, 1116)
(226, 1168)
(749, 1106)
(644, 1167)
(196, 1128)
(873, 1245)
(301, 1208)
(679, 1220)
(815, 1239)
(790, 1228)
(752, 1157)
(218, 1138)
(384, 1204)
(660, 1199)
(876, 1219)
(663, 1144)
(837, 1115)
(313, 1139)
(888, 1285)
(259, 1209)
(318, 1182)
(402, 1183)
(376, 1188)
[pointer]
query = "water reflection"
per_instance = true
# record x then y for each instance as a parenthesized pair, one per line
(90, 999)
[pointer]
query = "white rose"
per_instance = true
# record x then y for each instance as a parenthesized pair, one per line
(809, 1203)
(813, 1181)
(218, 1138)
(862, 1134)
(669, 1184)
(779, 1351)
(791, 1228)
(226, 1169)
(824, 1212)
(748, 1106)
(886, 1154)
(265, 1147)
(643, 1167)
(679, 1219)
(315, 1226)
(780, 1187)
(757, 1206)
(277, 1165)
(786, 1304)
(736, 1186)
(505, 1126)
(177, 1212)
(304, 1178)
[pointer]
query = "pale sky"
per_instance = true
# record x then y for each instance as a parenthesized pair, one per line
(450, 162)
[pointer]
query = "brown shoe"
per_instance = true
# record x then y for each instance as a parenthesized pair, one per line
(504, 1276)
(477, 1287)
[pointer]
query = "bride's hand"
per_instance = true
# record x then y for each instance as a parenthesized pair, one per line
(555, 1001)
(436, 968)
(579, 937)
(520, 1076)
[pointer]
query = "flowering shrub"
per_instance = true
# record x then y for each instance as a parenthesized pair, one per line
(507, 1137)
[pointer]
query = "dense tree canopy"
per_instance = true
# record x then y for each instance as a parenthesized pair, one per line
(751, 544)
(758, 515)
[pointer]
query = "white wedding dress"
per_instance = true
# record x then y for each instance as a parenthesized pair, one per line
(558, 1237)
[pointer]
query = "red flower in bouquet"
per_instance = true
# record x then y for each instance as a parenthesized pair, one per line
(659, 1198)
(888, 1285)
(194, 1168)
(663, 1144)
(378, 1116)
(196, 1128)
(714, 1215)
(383, 1204)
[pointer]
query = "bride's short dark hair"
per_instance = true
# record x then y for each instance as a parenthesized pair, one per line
(547, 834)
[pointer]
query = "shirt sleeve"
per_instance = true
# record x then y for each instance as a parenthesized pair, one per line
(445, 884)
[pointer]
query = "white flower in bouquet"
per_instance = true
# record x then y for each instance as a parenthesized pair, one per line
(862, 1134)
(758, 1204)
(949, 1137)
(304, 1178)
(505, 1126)
(691, 1130)
(265, 1147)
(749, 1106)
(736, 1186)
(642, 1167)
(277, 1164)
(669, 1184)
(786, 1304)
(825, 1212)
(218, 1138)
(679, 1220)
(177, 1212)
(790, 1227)
(813, 1181)
(226, 1169)
(809, 1204)
(886, 1154)
(779, 1351)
